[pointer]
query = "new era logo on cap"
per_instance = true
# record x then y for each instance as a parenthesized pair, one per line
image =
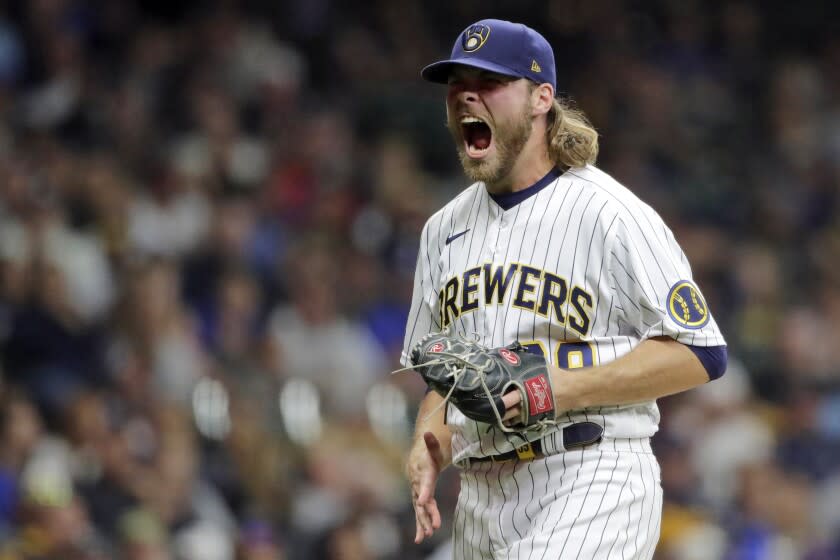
(500, 46)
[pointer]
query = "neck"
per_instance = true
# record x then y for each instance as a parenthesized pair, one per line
(531, 166)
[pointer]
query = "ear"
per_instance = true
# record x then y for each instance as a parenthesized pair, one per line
(542, 98)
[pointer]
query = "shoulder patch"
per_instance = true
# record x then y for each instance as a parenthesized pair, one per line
(686, 305)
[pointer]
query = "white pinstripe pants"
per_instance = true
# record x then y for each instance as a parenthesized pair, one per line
(600, 502)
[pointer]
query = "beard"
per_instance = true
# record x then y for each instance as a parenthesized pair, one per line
(508, 141)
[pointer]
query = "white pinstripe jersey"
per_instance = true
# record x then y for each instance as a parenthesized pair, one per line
(582, 270)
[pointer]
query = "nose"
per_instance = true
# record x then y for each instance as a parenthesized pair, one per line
(469, 96)
(462, 94)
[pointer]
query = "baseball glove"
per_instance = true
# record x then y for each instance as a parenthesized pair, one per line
(474, 378)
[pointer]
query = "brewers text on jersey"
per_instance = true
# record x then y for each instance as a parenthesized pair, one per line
(532, 289)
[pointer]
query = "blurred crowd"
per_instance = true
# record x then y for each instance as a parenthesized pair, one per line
(209, 216)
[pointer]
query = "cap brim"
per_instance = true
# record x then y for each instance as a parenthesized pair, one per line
(438, 72)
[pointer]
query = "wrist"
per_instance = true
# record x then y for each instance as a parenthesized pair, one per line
(570, 389)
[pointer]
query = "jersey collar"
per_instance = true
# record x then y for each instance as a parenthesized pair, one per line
(509, 200)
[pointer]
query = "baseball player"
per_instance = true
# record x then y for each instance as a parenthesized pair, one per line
(545, 249)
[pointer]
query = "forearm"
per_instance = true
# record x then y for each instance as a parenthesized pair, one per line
(429, 421)
(655, 368)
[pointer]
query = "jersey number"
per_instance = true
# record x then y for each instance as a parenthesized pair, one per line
(569, 355)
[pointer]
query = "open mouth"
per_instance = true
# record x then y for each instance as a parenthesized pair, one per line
(477, 136)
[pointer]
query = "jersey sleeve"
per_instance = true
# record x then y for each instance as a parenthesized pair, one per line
(423, 316)
(653, 282)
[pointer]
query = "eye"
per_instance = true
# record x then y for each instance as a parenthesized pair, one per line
(493, 83)
(494, 80)
(455, 83)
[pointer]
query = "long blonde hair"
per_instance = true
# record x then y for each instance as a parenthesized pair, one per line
(572, 140)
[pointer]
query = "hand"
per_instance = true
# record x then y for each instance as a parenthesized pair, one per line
(424, 466)
(513, 409)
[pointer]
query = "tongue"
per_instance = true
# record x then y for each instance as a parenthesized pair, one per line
(481, 139)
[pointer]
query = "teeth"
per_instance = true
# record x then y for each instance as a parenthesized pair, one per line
(468, 119)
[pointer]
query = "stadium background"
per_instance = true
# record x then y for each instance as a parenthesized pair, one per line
(208, 223)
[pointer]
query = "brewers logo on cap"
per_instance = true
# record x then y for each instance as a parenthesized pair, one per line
(474, 37)
(686, 305)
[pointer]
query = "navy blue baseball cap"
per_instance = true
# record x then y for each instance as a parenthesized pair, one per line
(500, 46)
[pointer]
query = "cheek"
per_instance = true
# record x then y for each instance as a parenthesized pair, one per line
(451, 118)
(498, 105)
(511, 111)
(451, 105)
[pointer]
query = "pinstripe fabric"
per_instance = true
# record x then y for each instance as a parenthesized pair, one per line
(584, 262)
(601, 502)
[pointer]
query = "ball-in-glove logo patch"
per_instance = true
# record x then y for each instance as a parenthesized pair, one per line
(509, 356)
(686, 305)
(474, 37)
(436, 347)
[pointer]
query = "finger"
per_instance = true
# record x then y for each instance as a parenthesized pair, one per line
(431, 519)
(512, 399)
(430, 515)
(435, 514)
(512, 413)
(419, 534)
(433, 445)
(424, 522)
(424, 487)
(424, 494)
